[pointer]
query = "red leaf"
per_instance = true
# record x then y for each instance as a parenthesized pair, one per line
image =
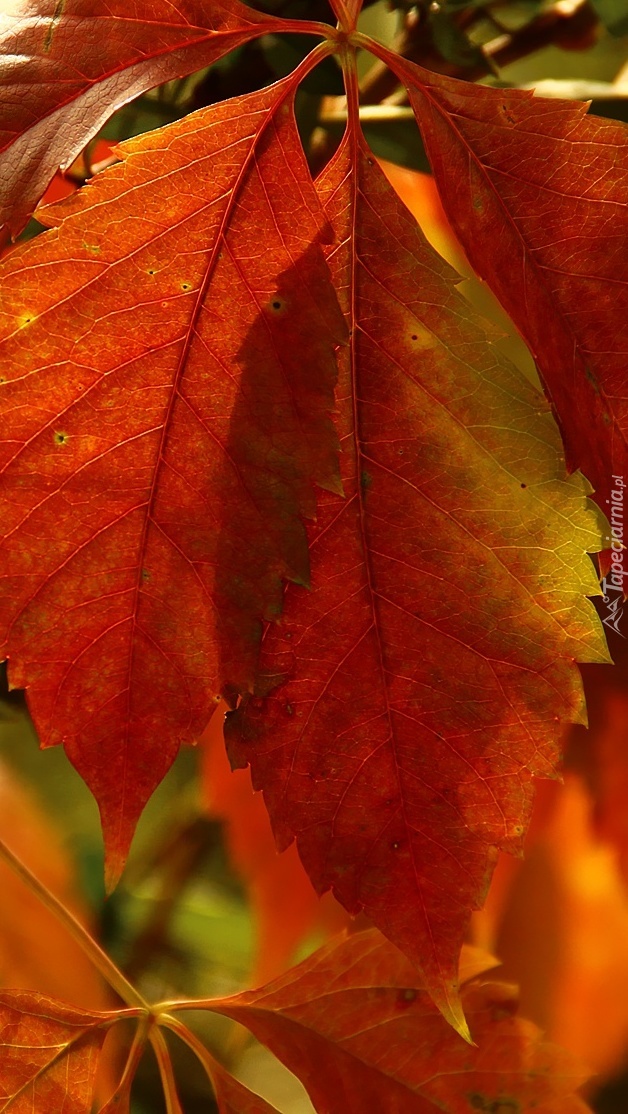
(49, 1055)
(536, 193)
(170, 446)
(428, 668)
(352, 1023)
(70, 65)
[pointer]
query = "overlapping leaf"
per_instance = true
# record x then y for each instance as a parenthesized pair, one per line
(354, 1025)
(536, 193)
(418, 687)
(165, 403)
(44, 1044)
(66, 67)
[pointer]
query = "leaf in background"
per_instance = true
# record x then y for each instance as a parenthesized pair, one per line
(165, 413)
(424, 676)
(284, 904)
(537, 193)
(353, 1024)
(66, 67)
(60, 968)
(50, 1054)
(614, 15)
(563, 934)
(234, 1098)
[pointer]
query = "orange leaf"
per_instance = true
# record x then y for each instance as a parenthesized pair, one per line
(60, 968)
(175, 456)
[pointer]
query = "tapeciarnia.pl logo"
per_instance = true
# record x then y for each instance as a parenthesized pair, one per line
(613, 582)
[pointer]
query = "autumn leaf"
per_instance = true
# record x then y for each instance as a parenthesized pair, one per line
(44, 1045)
(425, 673)
(535, 190)
(156, 468)
(68, 65)
(351, 1021)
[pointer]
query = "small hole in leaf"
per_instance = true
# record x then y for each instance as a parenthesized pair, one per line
(185, 285)
(395, 846)
(60, 438)
(150, 272)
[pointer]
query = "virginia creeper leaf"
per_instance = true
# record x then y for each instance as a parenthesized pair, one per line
(537, 194)
(66, 67)
(358, 1030)
(420, 684)
(49, 1054)
(165, 413)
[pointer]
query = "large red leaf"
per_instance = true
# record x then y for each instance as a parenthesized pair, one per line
(419, 685)
(50, 1054)
(537, 194)
(361, 1033)
(165, 408)
(67, 66)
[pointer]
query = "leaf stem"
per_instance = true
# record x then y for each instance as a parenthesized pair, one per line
(209, 1063)
(112, 974)
(135, 1054)
(160, 1048)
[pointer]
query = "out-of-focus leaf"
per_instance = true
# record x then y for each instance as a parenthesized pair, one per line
(57, 967)
(614, 15)
(284, 904)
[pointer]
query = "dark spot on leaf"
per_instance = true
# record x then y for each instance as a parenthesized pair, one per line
(151, 271)
(406, 997)
(524, 485)
(145, 574)
(366, 480)
(277, 305)
(60, 438)
(414, 336)
(493, 1105)
(185, 285)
